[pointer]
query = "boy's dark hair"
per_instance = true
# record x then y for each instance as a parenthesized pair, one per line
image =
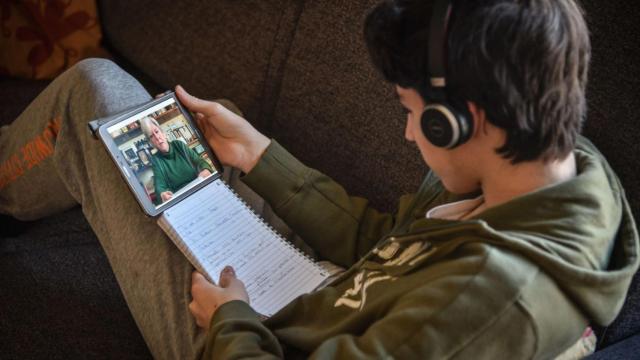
(524, 62)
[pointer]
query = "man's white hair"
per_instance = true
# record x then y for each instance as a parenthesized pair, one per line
(146, 123)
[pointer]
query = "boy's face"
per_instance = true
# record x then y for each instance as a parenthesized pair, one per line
(455, 167)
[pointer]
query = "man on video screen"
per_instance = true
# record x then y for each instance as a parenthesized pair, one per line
(174, 165)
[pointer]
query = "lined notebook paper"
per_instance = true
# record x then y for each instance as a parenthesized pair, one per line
(214, 228)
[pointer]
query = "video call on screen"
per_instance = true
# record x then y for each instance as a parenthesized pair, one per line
(172, 152)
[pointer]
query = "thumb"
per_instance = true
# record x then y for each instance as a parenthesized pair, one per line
(226, 276)
(195, 104)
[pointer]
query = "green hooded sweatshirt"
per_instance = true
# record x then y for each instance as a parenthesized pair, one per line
(520, 280)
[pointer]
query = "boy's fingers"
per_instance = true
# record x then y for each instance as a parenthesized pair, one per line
(162, 94)
(226, 275)
(198, 279)
(195, 308)
(192, 102)
(201, 121)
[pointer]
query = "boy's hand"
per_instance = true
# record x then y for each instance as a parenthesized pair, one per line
(208, 297)
(234, 140)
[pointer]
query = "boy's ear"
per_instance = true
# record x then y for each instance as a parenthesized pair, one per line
(478, 119)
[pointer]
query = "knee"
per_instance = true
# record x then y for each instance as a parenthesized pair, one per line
(94, 64)
(90, 84)
(94, 70)
(104, 85)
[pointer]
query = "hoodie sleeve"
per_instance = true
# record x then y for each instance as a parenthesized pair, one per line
(339, 227)
(236, 332)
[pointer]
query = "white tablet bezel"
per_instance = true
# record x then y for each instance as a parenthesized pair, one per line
(127, 172)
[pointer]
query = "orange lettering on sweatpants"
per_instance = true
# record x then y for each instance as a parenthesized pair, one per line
(55, 125)
(43, 148)
(31, 154)
(15, 167)
(28, 156)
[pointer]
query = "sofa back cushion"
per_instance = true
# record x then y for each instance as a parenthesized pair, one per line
(337, 114)
(612, 122)
(215, 49)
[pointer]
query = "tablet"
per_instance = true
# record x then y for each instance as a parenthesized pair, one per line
(159, 151)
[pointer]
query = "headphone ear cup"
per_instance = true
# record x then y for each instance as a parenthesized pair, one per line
(443, 126)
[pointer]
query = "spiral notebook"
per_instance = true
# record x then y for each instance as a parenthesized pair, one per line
(213, 228)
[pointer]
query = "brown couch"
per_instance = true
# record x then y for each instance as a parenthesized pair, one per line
(300, 72)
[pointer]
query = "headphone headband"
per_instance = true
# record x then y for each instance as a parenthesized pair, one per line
(442, 124)
(438, 43)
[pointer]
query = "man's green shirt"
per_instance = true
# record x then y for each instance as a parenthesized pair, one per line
(176, 168)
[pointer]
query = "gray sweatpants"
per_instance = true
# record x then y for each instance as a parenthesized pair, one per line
(49, 162)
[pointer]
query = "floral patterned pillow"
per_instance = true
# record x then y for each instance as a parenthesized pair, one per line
(41, 38)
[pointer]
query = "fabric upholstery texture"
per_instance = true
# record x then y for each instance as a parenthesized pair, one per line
(612, 122)
(15, 95)
(59, 297)
(624, 350)
(222, 48)
(336, 113)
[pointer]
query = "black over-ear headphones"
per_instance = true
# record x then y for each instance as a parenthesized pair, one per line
(442, 124)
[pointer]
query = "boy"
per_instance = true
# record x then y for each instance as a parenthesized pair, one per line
(502, 253)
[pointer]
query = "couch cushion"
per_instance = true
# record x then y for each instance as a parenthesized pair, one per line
(614, 85)
(59, 297)
(215, 49)
(335, 112)
(15, 95)
(623, 350)
(612, 122)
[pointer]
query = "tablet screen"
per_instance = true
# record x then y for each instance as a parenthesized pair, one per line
(164, 151)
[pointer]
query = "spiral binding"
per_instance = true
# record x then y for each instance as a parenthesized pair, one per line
(274, 232)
